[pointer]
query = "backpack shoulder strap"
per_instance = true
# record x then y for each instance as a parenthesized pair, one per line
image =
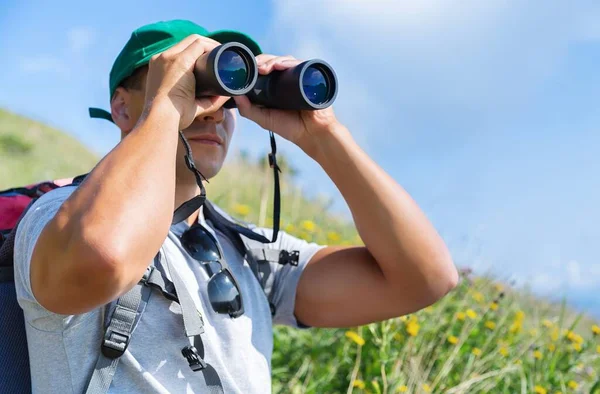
(121, 318)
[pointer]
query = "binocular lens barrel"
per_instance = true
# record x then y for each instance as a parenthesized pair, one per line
(230, 70)
(310, 85)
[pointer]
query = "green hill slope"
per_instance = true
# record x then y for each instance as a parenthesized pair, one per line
(32, 152)
(484, 337)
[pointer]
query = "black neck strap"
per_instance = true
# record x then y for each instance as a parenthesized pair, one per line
(187, 208)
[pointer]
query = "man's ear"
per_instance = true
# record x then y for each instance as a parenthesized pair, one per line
(119, 109)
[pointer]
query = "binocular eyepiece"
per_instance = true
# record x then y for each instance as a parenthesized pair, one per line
(230, 70)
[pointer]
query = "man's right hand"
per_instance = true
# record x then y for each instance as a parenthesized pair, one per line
(171, 79)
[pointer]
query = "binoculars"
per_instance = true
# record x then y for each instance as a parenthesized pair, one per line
(231, 70)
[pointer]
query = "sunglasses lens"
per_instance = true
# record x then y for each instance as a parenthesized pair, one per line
(224, 295)
(200, 245)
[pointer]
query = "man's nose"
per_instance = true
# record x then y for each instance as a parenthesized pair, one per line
(216, 116)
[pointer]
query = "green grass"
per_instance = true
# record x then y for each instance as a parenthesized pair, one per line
(32, 152)
(484, 337)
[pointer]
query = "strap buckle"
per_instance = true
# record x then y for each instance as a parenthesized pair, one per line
(286, 257)
(115, 343)
(147, 274)
(194, 360)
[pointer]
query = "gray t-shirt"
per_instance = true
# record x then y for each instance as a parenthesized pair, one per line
(63, 349)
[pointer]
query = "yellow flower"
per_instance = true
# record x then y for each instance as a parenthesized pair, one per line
(308, 225)
(552, 347)
(555, 334)
(520, 316)
(494, 306)
(477, 296)
(241, 209)
(461, 315)
(471, 313)
(426, 388)
(503, 351)
(412, 328)
(402, 389)
(499, 287)
(359, 383)
(515, 327)
(476, 352)
(538, 355)
(596, 330)
(547, 323)
(355, 337)
(539, 390)
(573, 384)
(490, 324)
(332, 236)
(577, 346)
(452, 339)
(533, 332)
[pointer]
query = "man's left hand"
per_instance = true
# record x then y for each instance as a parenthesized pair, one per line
(301, 127)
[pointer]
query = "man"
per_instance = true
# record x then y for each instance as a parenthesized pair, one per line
(79, 248)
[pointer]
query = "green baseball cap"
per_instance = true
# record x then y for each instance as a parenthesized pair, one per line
(154, 38)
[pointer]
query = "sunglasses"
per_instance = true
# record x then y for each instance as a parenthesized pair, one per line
(223, 290)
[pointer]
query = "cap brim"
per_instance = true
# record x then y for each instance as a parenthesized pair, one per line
(225, 36)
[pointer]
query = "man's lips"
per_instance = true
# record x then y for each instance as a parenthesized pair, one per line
(210, 139)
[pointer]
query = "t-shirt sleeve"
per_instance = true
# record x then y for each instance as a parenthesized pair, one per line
(28, 232)
(286, 277)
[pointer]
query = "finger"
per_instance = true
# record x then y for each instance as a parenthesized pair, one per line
(284, 65)
(259, 115)
(267, 67)
(188, 41)
(181, 45)
(209, 104)
(263, 58)
(196, 49)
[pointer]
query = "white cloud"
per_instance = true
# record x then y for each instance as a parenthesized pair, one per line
(80, 38)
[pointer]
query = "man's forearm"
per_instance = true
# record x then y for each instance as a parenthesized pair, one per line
(396, 232)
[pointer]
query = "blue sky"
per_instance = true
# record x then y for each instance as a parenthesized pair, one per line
(486, 112)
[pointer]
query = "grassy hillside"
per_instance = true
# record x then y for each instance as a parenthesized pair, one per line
(485, 337)
(31, 152)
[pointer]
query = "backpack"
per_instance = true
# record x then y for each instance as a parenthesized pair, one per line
(121, 315)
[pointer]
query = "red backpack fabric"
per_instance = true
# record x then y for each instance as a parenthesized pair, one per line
(13, 202)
